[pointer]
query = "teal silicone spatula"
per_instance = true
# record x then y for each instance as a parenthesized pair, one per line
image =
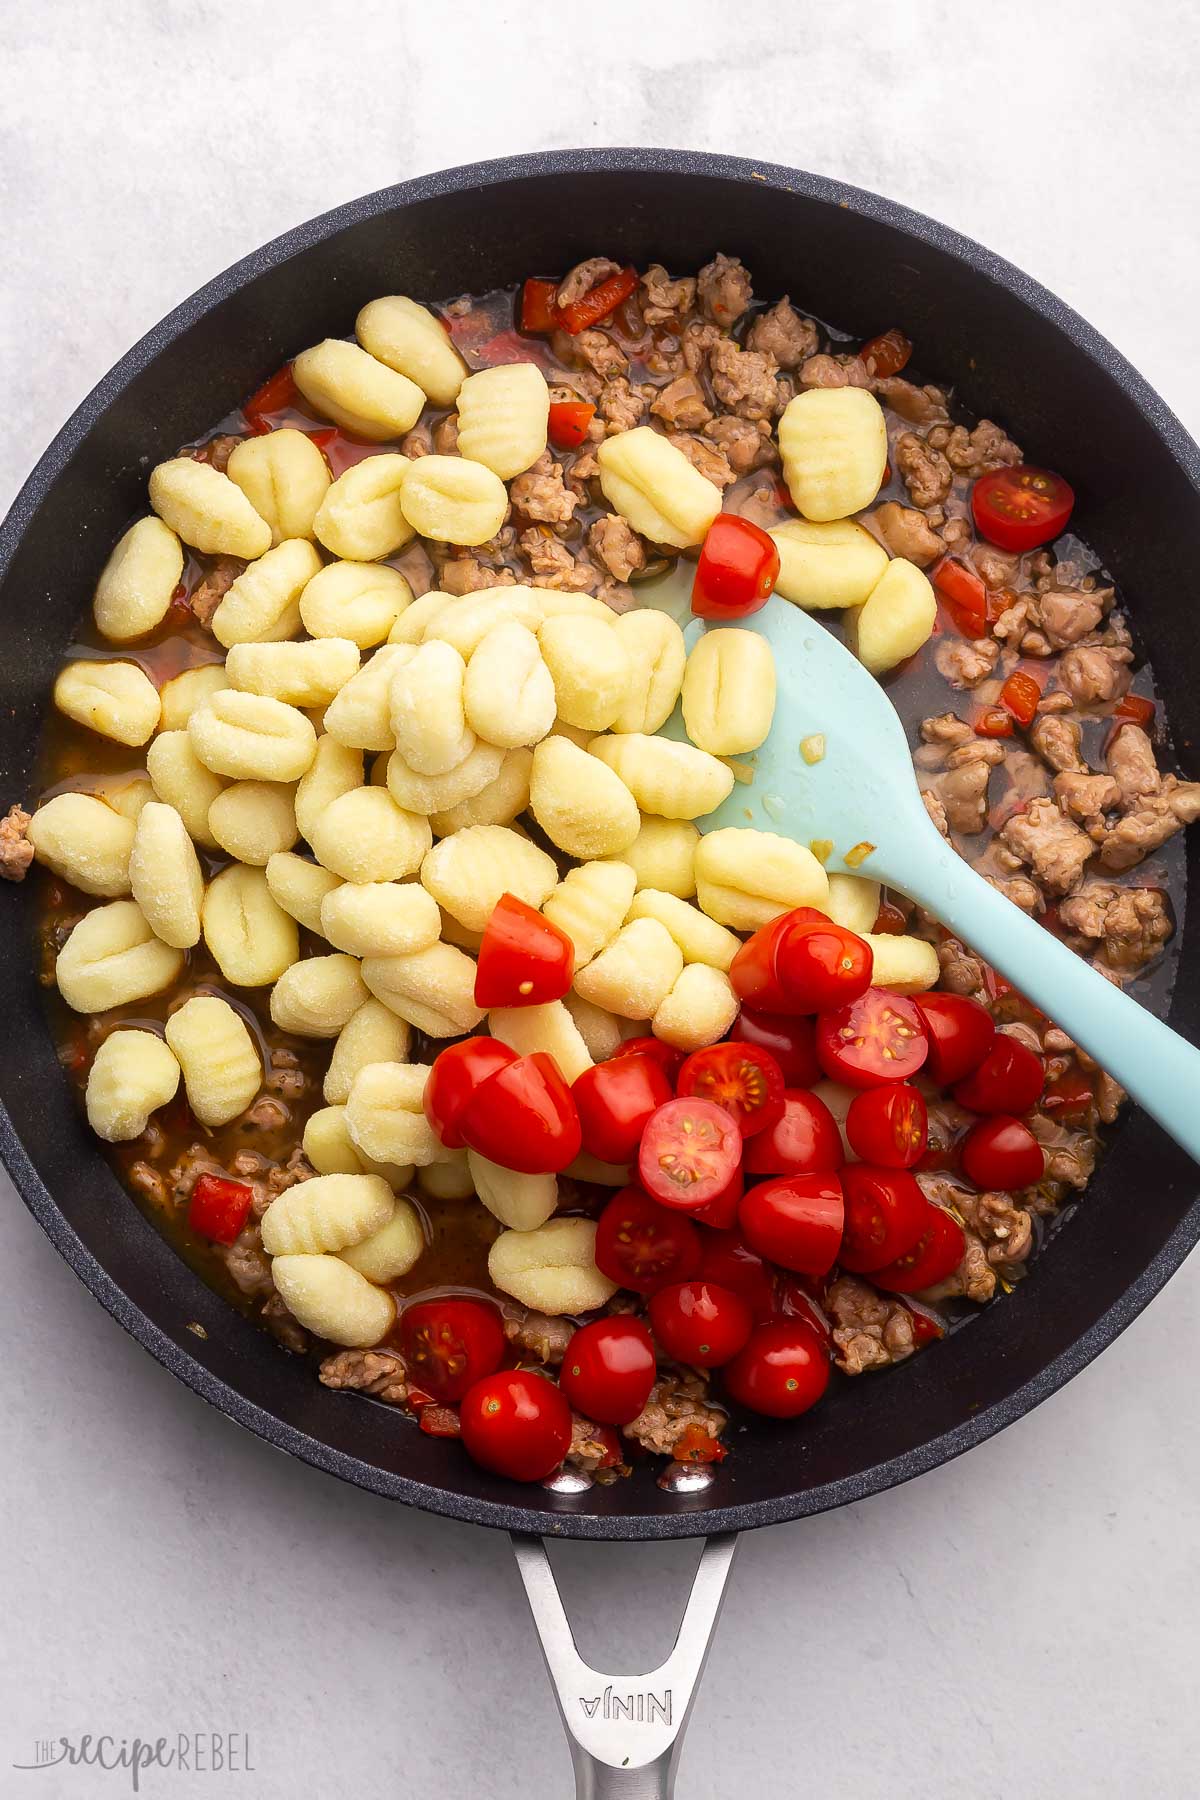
(864, 791)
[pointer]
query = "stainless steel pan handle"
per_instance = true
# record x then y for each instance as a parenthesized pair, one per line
(625, 1731)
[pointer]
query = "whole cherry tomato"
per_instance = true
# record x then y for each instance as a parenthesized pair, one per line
(614, 1100)
(722, 1210)
(1021, 508)
(889, 1125)
(218, 1208)
(738, 567)
(878, 1038)
(727, 1259)
(454, 1077)
(755, 971)
(886, 354)
(609, 1369)
(1010, 1079)
(804, 1139)
(936, 1254)
(524, 960)
(691, 1149)
(644, 1246)
(792, 1042)
(669, 1060)
(701, 1323)
(795, 1221)
(517, 1423)
(450, 1343)
(1002, 1152)
(524, 1118)
(960, 1033)
(746, 1081)
(781, 1371)
(885, 1216)
(821, 966)
(794, 1301)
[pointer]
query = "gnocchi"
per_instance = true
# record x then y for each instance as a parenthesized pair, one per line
(833, 442)
(112, 957)
(467, 621)
(116, 699)
(179, 697)
(328, 1212)
(520, 1202)
(600, 1030)
(307, 674)
(853, 902)
(654, 646)
(364, 836)
(356, 391)
(635, 973)
(380, 918)
(181, 780)
(254, 820)
(745, 878)
(503, 415)
(263, 604)
(827, 563)
(700, 1008)
(299, 887)
(384, 1115)
(590, 904)
(729, 692)
(165, 876)
(433, 989)
(284, 477)
(502, 800)
(549, 1028)
(330, 1298)
(359, 716)
(651, 483)
(429, 721)
(137, 582)
(509, 691)
(330, 1149)
(373, 1034)
(207, 510)
(407, 337)
(85, 842)
(468, 873)
(673, 781)
(222, 1071)
(316, 997)
(430, 794)
(700, 939)
(251, 737)
(361, 517)
(449, 1179)
(906, 965)
(362, 601)
(663, 856)
(579, 802)
(252, 939)
(133, 1073)
(590, 668)
(391, 1251)
(896, 618)
(552, 1269)
(453, 500)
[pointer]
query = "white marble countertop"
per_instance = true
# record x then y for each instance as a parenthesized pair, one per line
(1021, 1622)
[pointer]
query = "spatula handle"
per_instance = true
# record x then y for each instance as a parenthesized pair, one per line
(1156, 1066)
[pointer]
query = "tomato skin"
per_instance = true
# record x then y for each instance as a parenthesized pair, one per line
(690, 1151)
(1070, 1096)
(885, 1216)
(598, 302)
(936, 1254)
(822, 966)
(886, 354)
(275, 395)
(889, 1125)
(1010, 1079)
(790, 1041)
(669, 1060)
(1021, 508)
(960, 1032)
(516, 1423)
(524, 1118)
(609, 1369)
(964, 593)
(645, 1246)
(615, 1099)
(450, 1343)
(218, 1208)
(727, 1259)
(878, 1038)
(456, 1073)
(524, 960)
(755, 971)
(569, 421)
(1002, 1152)
(805, 1139)
(742, 1079)
(1020, 695)
(795, 1221)
(781, 1371)
(722, 1210)
(539, 306)
(699, 1322)
(738, 567)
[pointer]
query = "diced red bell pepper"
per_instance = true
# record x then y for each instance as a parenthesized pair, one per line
(994, 722)
(539, 308)
(569, 421)
(964, 594)
(1134, 709)
(598, 302)
(1021, 694)
(219, 1208)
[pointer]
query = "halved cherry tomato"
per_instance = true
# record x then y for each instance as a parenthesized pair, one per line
(1021, 508)
(524, 960)
(964, 594)
(994, 722)
(936, 1254)
(524, 1118)
(889, 1125)
(738, 567)
(879, 1037)
(669, 1060)
(926, 1326)
(569, 421)
(450, 1343)
(781, 1371)
(615, 1099)
(885, 1215)
(1008, 1080)
(792, 1042)
(598, 302)
(539, 305)
(886, 354)
(277, 393)
(609, 1369)
(756, 972)
(1002, 1152)
(1020, 694)
(744, 1080)
(1069, 1096)
(696, 1446)
(517, 1423)
(804, 1139)
(644, 1246)
(218, 1208)
(690, 1151)
(722, 1210)
(727, 1259)
(960, 1032)
(1134, 709)
(699, 1322)
(795, 1220)
(456, 1073)
(796, 1301)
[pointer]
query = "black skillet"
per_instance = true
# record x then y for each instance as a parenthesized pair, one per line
(1013, 352)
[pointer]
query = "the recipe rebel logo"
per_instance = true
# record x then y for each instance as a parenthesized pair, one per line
(639, 1707)
(187, 1753)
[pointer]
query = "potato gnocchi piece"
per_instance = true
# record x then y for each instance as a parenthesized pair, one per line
(328, 1297)
(373, 1034)
(133, 1073)
(165, 876)
(412, 623)
(222, 1069)
(251, 737)
(299, 887)
(469, 872)
(356, 391)
(552, 1269)
(634, 975)
(503, 414)
(600, 1030)
(509, 692)
(284, 477)
(391, 1251)
(663, 856)
(831, 563)
(729, 692)
(330, 1149)
(410, 339)
(590, 904)
(380, 918)
(557, 601)
(135, 587)
(362, 601)
(673, 781)
(253, 821)
(84, 842)
(657, 656)
(116, 699)
(520, 1202)
(745, 878)
(700, 938)
(590, 668)
(651, 483)
(364, 836)
(112, 957)
(335, 770)
(580, 803)
(466, 621)
(434, 989)
(853, 902)
(263, 604)
(429, 721)
(602, 1174)
(179, 697)
(549, 1028)
(360, 518)
(326, 1213)
(896, 618)
(384, 1115)
(251, 938)
(307, 674)
(833, 442)
(360, 714)
(905, 965)
(207, 510)
(699, 1010)
(128, 797)
(504, 798)
(316, 997)
(448, 1179)
(181, 780)
(453, 500)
